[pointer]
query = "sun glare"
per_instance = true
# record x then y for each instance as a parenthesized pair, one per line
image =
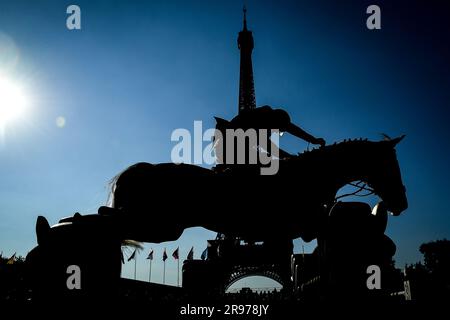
(13, 101)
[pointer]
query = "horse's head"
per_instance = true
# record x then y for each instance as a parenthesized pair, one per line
(386, 178)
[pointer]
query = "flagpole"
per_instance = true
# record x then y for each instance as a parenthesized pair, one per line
(135, 258)
(150, 271)
(178, 272)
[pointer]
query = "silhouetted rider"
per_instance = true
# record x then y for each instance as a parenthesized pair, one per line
(266, 118)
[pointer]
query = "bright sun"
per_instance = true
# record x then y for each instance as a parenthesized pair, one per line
(13, 101)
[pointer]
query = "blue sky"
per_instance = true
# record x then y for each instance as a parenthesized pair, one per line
(136, 71)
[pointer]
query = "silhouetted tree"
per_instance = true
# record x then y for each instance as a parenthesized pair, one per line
(12, 282)
(436, 256)
(431, 280)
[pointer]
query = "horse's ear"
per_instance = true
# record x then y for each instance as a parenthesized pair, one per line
(221, 120)
(42, 229)
(395, 141)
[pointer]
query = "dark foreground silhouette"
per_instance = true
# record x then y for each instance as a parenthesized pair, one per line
(155, 203)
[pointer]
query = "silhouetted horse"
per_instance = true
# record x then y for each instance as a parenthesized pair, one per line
(155, 203)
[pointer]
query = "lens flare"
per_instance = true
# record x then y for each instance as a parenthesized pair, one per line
(13, 101)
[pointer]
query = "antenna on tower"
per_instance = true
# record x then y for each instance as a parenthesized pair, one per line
(245, 17)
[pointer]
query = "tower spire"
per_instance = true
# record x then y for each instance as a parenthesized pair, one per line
(246, 85)
(245, 18)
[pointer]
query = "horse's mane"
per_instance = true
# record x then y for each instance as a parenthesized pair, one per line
(360, 144)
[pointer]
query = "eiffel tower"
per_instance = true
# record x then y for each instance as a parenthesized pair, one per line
(263, 258)
(246, 85)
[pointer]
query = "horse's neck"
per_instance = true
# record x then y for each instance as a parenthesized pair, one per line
(351, 164)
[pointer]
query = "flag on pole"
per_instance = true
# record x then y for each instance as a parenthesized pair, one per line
(175, 254)
(12, 259)
(204, 254)
(190, 255)
(150, 258)
(164, 270)
(132, 256)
